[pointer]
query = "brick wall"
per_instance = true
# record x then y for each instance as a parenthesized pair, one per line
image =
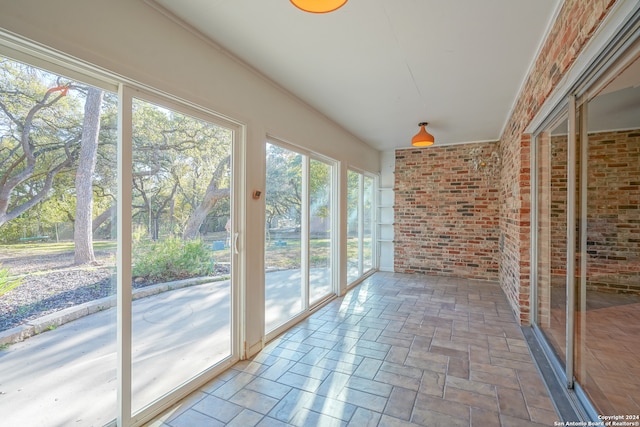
(613, 210)
(613, 207)
(576, 22)
(446, 206)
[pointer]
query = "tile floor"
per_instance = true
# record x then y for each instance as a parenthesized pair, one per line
(398, 350)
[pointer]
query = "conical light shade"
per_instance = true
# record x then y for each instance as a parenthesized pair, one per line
(422, 138)
(318, 6)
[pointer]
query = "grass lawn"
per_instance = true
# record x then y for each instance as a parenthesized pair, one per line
(52, 247)
(277, 256)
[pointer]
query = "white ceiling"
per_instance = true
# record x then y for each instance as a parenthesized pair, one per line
(379, 67)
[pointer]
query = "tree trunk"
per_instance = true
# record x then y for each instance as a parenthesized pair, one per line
(211, 197)
(83, 232)
(102, 218)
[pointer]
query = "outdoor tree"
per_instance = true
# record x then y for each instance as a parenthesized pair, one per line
(39, 139)
(57, 162)
(49, 151)
(284, 177)
(211, 196)
(181, 170)
(83, 231)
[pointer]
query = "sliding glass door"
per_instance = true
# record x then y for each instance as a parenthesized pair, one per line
(182, 224)
(284, 280)
(588, 242)
(321, 184)
(552, 235)
(116, 230)
(58, 243)
(360, 224)
(300, 233)
(607, 306)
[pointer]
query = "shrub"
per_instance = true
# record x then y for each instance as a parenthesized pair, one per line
(172, 259)
(7, 282)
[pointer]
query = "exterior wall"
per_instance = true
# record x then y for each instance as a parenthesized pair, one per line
(575, 25)
(446, 211)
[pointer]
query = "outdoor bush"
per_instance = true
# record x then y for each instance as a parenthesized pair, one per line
(7, 282)
(172, 259)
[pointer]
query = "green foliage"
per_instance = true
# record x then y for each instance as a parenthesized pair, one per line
(283, 195)
(14, 230)
(7, 282)
(172, 259)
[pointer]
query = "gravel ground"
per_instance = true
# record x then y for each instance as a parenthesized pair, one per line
(41, 294)
(57, 285)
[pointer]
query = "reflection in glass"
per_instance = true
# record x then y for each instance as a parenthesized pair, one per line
(552, 235)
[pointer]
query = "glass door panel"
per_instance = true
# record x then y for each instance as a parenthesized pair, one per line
(360, 224)
(354, 214)
(608, 297)
(57, 256)
(368, 218)
(552, 236)
(320, 230)
(284, 276)
(181, 225)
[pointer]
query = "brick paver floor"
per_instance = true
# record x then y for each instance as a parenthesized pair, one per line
(397, 350)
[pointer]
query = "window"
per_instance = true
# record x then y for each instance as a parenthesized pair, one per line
(181, 240)
(360, 221)
(300, 234)
(118, 213)
(58, 155)
(587, 280)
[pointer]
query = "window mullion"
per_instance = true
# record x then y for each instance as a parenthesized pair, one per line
(124, 264)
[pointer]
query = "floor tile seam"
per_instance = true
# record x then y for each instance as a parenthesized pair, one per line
(436, 410)
(493, 387)
(524, 395)
(413, 404)
(283, 350)
(517, 417)
(404, 380)
(494, 396)
(320, 414)
(179, 411)
(372, 380)
(206, 415)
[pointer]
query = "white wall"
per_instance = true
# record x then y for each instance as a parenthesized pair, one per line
(133, 40)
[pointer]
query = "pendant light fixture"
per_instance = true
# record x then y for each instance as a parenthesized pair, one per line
(422, 138)
(318, 6)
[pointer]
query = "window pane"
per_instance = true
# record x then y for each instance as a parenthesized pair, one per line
(283, 250)
(552, 236)
(181, 249)
(320, 232)
(354, 243)
(608, 300)
(368, 217)
(57, 249)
